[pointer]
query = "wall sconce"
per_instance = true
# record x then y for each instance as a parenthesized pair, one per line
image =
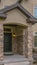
(14, 35)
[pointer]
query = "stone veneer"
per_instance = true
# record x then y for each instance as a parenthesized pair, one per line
(14, 45)
(22, 44)
(25, 42)
(1, 41)
(30, 41)
(17, 43)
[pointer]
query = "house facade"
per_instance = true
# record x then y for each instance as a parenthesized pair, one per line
(16, 23)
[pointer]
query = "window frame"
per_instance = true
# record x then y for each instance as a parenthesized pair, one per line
(35, 7)
(34, 41)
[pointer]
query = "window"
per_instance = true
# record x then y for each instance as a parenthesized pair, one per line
(35, 11)
(35, 40)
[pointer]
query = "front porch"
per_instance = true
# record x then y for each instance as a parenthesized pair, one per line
(15, 60)
(15, 39)
(21, 49)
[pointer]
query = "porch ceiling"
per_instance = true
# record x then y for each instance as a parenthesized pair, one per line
(15, 25)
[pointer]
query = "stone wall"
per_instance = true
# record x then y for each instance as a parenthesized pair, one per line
(1, 41)
(30, 41)
(20, 43)
(14, 40)
(14, 45)
(25, 42)
(17, 42)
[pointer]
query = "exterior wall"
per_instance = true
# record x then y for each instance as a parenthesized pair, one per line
(25, 42)
(34, 28)
(35, 25)
(26, 4)
(29, 4)
(1, 4)
(30, 41)
(14, 45)
(1, 42)
(12, 18)
(34, 2)
(19, 42)
(8, 2)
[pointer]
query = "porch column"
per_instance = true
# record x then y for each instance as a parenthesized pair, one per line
(25, 42)
(1, 41)
(30, 41)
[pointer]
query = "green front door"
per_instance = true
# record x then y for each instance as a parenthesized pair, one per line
(7, 42)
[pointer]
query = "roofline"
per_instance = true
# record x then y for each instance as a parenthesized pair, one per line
(8, 8)
(24, 11)
(21, 8)
(31, 20)
(18, 6)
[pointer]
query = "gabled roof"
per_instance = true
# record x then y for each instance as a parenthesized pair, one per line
(30, 18)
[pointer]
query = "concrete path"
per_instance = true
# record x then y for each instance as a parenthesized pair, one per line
(15, 60)
(18, 63)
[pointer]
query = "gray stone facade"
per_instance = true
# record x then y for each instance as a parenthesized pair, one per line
(30, 41)
(25, 42)
(1, 41)
(22, 44)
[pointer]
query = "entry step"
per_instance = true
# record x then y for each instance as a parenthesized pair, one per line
(8, 53)
(18, 63)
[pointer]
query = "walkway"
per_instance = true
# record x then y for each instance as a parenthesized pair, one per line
(15, 60)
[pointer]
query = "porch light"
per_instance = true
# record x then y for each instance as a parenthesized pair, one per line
(14, 35)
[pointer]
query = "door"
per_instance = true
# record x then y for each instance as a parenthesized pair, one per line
(7, 42)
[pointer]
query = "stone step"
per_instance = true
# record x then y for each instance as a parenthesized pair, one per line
(18, 63)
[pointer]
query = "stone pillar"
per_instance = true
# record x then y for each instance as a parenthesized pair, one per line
(30, 41)
(1, 42)
(14, 45)
(20, 41)
(25, 42)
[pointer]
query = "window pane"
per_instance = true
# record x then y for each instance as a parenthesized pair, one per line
(35, 12)
(35, 41)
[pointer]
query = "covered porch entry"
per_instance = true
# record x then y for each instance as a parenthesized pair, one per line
(15, 39)
(21, 43)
